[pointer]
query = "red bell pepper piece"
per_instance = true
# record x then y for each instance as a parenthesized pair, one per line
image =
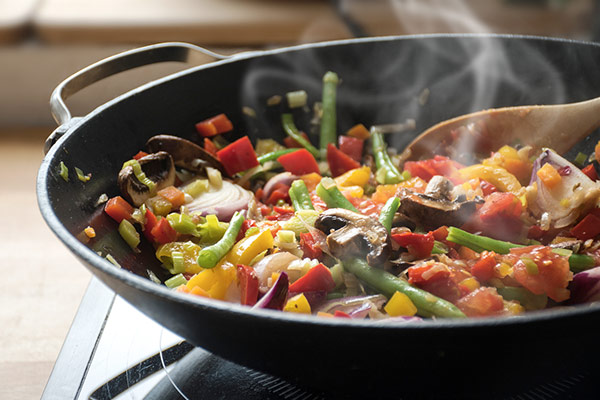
(248, 284)
(341, 314)
(151, 222)
(118, 209)
(163, 232)
(483, 269)
(439, 165)
(210, 147)
(291, 143)
(318, 278)
(214, 126)
(419, 245)
(487, 188)
(587, 228)
(140, 154)
(428, 273)
(309, 246)
(338, 161)
(299, 162)
(280, 192)
(351, 146)
(238, 156)
(590, 171)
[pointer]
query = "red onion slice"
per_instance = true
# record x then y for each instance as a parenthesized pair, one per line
(276, 297)
(285, 178)
(356, 306)
(585, 286)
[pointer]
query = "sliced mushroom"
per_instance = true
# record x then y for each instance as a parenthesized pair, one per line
(185, 154)
(350, 234)
(573, 245)
(158, 167)
(439, 187)
(431, 213)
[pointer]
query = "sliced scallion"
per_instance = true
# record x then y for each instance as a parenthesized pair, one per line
(178, 263)
(175, 281)
(530, 265)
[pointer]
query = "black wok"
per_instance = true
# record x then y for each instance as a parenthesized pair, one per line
(383, 80)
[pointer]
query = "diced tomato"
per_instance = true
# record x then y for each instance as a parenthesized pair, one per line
(421, 169)
(318, 202)
(351, 146)
(587, 228)
(484, 301)
(248, 284)
(299, 162)
(238, 156)
(483, 269)
(283, 210)
(210, 147)
(339, 162)
(175, 196)
(500, 216)
(445, 288)
(214, 126)
(341, 314)
(429, 272)
(552, 275)
(487, 188)
(318, 278)
(439, 165)
(419, 245)
(139, 155)
(291, 143)
(590, 171)
(163, 232)
(151, 222)
(309, 246)
(118, 209)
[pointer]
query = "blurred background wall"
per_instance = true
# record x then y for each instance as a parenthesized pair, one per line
(44, 41)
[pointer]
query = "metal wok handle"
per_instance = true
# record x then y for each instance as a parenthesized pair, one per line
(162, 52)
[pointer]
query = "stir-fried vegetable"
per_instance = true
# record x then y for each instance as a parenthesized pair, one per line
(350, 232)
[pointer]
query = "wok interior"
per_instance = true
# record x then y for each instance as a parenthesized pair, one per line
(382, 81)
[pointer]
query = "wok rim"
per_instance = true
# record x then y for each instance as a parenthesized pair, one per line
(95, 261)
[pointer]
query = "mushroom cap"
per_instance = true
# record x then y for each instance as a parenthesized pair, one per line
(351, 234)
(158, 167)
(186, 154)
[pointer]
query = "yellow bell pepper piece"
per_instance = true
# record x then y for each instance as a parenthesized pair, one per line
(499, 177)
(214, 281)
(246, 249)
(298, 304)
(354, 177)
(311, 180)
(189, 250)
(470, 283)
(352, 191)
(400, 305)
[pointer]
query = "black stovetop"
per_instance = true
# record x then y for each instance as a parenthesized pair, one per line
(113, 351)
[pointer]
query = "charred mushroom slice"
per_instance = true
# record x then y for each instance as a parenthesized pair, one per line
(350, 234)
(439, 187)
(157, 167)
(431, 212)
(185, 154)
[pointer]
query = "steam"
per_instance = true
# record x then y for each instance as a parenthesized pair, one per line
(382, 82)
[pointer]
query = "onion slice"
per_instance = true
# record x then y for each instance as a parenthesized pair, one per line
(285, 178)
(355, 306)
(222, 202)
(276, 297)
(585, 286)
(575, 194)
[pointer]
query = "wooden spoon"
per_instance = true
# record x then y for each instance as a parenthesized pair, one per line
(558, 127)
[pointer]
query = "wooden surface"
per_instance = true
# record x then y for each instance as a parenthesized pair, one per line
(15, 17)
(238, 22)
(42, 282)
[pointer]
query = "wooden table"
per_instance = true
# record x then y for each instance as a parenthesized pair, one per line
(42, 282)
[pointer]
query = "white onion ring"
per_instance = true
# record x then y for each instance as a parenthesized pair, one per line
(222, 202)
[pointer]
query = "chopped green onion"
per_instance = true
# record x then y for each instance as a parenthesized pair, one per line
(175, 281)
(196, 188)
(64, 172)
(530, 265)
(439, 248)
(112, 260)
(296, 99)
(580, 159)
(129, 234)
(178, 263)
(81, 176)
(183, 224)
(139, 174)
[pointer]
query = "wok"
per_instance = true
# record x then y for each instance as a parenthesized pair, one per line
(383, 82)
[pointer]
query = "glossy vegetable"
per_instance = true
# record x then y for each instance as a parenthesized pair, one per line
(329, 118)
(210, 256)
(238, 156)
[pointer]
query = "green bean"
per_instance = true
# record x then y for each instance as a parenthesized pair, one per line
(387, 173)
(328, 120)
(211, 255)
(299, 195)
(386, 283)
(331, 195)
(287, 120)
(386, 216)
(274, 155)
(577, 262)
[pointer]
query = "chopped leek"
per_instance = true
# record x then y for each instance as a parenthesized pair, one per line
(175, 281)
(296, 99)
(178, 262)
(129, 234)
(81, 176)
(64, 172)
(139, 174)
